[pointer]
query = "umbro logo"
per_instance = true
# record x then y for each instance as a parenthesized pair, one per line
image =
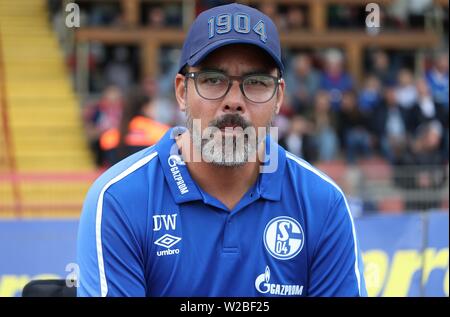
(167, 241)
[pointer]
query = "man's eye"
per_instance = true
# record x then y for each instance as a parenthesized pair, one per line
(257, 82)
(212, 80)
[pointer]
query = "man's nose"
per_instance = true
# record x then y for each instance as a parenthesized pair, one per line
(234, 100)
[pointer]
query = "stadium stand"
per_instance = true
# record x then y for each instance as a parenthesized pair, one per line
(136, 42)
(43, 112)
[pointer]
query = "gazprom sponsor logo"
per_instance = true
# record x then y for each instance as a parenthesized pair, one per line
(174, 161)
(263, 285)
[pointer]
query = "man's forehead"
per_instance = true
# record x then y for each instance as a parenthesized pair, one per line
(239, 58)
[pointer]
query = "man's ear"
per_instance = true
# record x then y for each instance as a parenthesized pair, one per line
(181, 91)
(280, 95)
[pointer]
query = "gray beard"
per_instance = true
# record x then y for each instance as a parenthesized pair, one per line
(229, 153)
(226, 150)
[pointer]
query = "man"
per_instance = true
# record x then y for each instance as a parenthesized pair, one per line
(437, 78)
(195, 216)
(335, 79)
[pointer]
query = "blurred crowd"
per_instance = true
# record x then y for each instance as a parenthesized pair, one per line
(398, 112)
(385, 116)
(122, 122)
(395, 114)
(326, 115)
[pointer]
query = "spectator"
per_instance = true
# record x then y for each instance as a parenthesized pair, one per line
(409, 13)
(406, 90)
(297, 140)
(282, 122)
(302, 83)
(398, 11)
(381, 68)
(425, 108)
(168, 62)
(437, 78)
(370, 95)
(165, 110)
(270, 9)
(353, 130)
(156, 17)
(389, 126)
(295, 18)
(118, 71)
(422, 168)
(334, 79)
(324, 137)
(102, 116)
(137, 130)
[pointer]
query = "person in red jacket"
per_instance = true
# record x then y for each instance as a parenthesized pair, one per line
(137, 129)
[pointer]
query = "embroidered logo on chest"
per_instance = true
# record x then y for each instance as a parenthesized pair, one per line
(283, 237)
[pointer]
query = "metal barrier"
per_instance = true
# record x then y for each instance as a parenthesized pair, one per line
(393, 189)
(382, 188)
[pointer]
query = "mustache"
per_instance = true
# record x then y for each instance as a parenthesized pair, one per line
(230, 120)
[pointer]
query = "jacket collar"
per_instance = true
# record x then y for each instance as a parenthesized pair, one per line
(183, 187)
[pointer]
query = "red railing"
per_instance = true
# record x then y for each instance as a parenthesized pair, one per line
(55, 179)
(9, 149)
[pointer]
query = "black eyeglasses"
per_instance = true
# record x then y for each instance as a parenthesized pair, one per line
(213, 85)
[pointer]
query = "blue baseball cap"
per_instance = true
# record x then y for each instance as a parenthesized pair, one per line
(230, 24)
